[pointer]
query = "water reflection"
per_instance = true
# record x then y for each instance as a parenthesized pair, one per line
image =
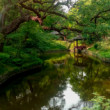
(65, 100)
(65, 83)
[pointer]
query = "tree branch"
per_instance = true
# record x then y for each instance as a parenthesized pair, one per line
(43, 2)
(53, 12)
(15, 24)
(31, 9)
(98, 15)
(61, 28)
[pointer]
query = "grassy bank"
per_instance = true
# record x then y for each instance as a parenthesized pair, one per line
(57, 45)
(101, 49)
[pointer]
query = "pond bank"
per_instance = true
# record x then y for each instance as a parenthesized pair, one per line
(11, 72)
(56, 51)
(5, 78)
(17, 72)
(96, 55)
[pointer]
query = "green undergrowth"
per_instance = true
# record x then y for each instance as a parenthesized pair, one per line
(10, 64)
(13, 59)
(101, 48)
(99, 103)
(56, 45)
(61, 45)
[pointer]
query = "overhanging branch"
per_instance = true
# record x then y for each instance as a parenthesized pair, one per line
(15, 24)
(98, 14)
(30, 8)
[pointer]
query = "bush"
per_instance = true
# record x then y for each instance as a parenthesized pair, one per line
(96, 46)
(99, 103)
(17, 61)
(4, 57)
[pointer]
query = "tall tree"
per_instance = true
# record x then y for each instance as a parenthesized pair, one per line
(92, 17)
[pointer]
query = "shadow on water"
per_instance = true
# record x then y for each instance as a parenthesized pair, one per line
(65, 83)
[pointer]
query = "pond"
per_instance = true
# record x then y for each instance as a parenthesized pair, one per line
(64, 83)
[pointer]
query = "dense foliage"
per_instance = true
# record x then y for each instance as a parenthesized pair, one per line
(99, 103)
(92, 18)
(27, 30)
(25, 45)
(101, 49)
(26, 26)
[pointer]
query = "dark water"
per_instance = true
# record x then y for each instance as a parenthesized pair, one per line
(65, 83)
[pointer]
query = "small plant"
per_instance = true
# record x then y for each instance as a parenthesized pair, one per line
(99, 103)
(4, 57)
(96, 46)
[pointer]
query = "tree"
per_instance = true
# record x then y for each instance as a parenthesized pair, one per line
(49, 14)
(92, 17)
(82, 18)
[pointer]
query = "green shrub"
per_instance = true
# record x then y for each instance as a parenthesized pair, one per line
(17, 61)
(4, 57)
(99, 103)
(96, 46)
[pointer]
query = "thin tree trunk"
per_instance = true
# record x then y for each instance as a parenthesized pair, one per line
(1, 47)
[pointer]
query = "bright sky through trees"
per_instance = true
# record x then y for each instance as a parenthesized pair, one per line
(65, 7)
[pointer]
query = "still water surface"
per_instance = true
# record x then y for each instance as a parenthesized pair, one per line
(65, 83)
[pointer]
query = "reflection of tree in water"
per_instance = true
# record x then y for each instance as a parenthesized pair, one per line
(21, 97)
(35, 91)
(56, 103)
(45, 88)
(81, 104)
(89, 79)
